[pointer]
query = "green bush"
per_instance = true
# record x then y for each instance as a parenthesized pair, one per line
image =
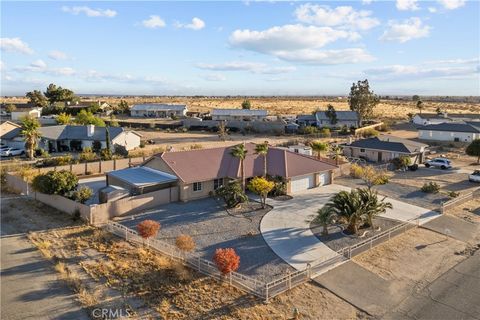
(232, 194)
(280, 187)
(87, 155)
(430, 187)
(55, 182)
(82, 194)
(106, 154)
(368, 133)
(308, 130)
(401, 162)
(453, 194)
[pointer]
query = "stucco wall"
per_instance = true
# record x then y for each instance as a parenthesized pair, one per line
(187, 193)
(158, 164)
(128, 139)
(447, 136)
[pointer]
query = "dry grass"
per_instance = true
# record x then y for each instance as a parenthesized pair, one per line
(469, 211)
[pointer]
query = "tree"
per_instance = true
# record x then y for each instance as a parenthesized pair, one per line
(262, 187)
(369, 175)
(55, 182)
(107, 152)
(324, 216)
(222, 130)
(319, 147)
(64, 118)
(82, 194)
(473, 149)
(31, 134)
(59, 94)
(123, 107)
(113, 121)
(262, 150)
(331, 114)
(347, 205)
(246, 104)
(239, 151)
(372, 205)
(415, 97)
(86, 117)
(232, 193)
(185, 243)
(37, 98)
(148, 228)
(362, 100)
(401, 162)
(226, 260)
(10, 108)
(420, 105)
(337, 152)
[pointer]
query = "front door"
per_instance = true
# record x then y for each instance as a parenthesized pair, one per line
(379, 157)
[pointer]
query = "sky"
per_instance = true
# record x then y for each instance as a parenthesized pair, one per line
(402, 47)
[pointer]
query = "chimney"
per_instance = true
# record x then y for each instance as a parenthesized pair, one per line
(90, 130)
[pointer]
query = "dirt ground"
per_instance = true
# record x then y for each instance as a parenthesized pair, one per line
(469, 211)
(414, 258)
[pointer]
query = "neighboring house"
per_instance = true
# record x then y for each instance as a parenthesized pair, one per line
(238, 114)
(306, 120)
(18, 115)
(320, 119)
(8, 132)
(450, 131)
(83, 105)
(424, 119)
(157, 110)
(201, 172)
(385, 148)
(306, 150)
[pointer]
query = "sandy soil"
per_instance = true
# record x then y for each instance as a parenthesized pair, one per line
(448, 180)
(414, 258)
(469, 211)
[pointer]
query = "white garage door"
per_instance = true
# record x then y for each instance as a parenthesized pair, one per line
(302, 183)
(324, 178)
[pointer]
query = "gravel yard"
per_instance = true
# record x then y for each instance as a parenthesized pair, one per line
(212, 227)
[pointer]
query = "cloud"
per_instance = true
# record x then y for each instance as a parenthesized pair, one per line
(196, 24)
(405, 5)
(326, 57)
(2, 66)
(40, 66)
(343, 17)
(214, 77)
(154, 22)
(57, 55)
(406, 30)
(89, 12)
(15, 45)
(253, 67)
(452, 4)
(366, 2)
(432, 9)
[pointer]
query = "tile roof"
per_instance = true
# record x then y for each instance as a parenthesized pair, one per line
(389, 143)
(207, 164)
(238, 112)
(142, 176)
(471, 127)
(158, 107)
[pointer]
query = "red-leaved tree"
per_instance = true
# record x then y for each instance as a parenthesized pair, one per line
(226, 260)
(148, 228)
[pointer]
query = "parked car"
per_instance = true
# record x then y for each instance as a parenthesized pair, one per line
(442, 163)
(475, 176)
(9, 152)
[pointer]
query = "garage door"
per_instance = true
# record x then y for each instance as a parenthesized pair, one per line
(302, 183)
(324, 178)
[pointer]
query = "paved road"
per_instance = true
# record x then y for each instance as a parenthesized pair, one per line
(454, 295)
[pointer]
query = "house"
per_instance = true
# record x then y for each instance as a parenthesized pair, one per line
(302, 149)
(424, 119)
(320, 119)
(451, 131)
(18, 115)
(200, 172)
(385, 148)
(8, 131)
(306, 120)
(77, 106)
(157, 110)
(238, 114)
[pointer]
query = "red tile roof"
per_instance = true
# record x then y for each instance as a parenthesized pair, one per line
(208, 164)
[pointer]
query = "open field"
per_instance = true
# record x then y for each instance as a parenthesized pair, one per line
(469, 211)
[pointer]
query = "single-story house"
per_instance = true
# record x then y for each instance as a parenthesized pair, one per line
(8, 131)
(158, 110)
(450, 131)
(306, 120)
(81, 105)
(238, 114)
(424, 119)
(18, 115)
(344, 118)
(201, 172)
(385, 148)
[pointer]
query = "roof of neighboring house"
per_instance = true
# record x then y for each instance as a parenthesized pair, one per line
(158, 107)
(306, 117)
(20, 105)
(471, 127)
(9, 130)
(66, 132)
(208, 164)
(389, 143)
(238, 112)
(142, 176)
(450, 116)
(341, 115)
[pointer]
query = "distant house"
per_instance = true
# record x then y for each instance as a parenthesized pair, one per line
(424, 119)
(450, 131)
(306, 120)
(385, 148)
(320, 119)
(18, 115)
(238, 114)
(158, 110)
(8, 131)
(83, 105)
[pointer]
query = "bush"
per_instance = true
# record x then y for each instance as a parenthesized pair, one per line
(368, 133)
(280, 187)
(82, 194)
(430, 187)
(55, 182)
(87, 155)
(106, 154)
(308, 130)
(226, 260)
(142, 144)
(232, 194)
(196, 146)
(148, 228)
(370, 175)
(401, 162)
(325, 132)
(453, 194)
(185, 242)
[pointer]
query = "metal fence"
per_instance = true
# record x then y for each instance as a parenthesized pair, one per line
(459, 200)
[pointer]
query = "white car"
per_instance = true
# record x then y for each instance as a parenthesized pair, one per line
(475, 176)
(9, 152)
(441, 163)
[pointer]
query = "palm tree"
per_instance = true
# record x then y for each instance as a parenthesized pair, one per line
(239, 151)
(318, 147)
(420, 105)
(337, 151)
(372, 205)
(31, 134)
(347, 205)
(324, 216)
(262, 149)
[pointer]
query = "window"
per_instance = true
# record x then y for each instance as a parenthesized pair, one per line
(362, 150)
(197, 186)
(217, 183)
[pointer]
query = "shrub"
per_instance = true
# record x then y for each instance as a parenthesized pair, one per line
(148, 228)
(232, 194)
(401, 162)
(82, 194)
(356, 171)
(96, 145)
(308, 130)
(368, 133)
(226, 260)
(106, 154)
(280, 187)
(262, 187)
(453, 194)
(196, 146)
(55, 182)
(430, 187)
(87, 155)
(369, 175)
(325, 132)
(185, 242)
(142, 144)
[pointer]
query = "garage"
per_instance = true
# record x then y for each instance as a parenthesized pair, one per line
(324, 178)
(302, 183)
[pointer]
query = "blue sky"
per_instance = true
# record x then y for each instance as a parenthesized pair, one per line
(241, 48)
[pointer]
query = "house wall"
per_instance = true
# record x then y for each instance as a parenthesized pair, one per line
(158, 164)
(372, 155)
(340, 123)
(447, 136)
(17, 115)
(187, 193)
(158, 114)
(239, 118)
(128, 139)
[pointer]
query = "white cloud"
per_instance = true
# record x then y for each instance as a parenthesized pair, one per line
(432, 9)
(452, 4)
(89, 12)
(196, 24)
(2, 66)
(326, 57)
(343, 16)
(405, 5)
(154, 22)
(57, 55)
(15, 45)
(366, 2)
(253, 67)
(412, 28)
(214, 77)
(40, 66)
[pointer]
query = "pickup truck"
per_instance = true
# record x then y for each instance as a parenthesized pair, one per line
(475, 176)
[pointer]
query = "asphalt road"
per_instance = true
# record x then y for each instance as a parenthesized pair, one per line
(454, 295)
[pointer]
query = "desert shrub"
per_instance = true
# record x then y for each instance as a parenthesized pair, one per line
(87, 155)
(142, 144)
(226, 260)
(232, 193)
(369, 175)
(430, 187)
(82, 194)
(453, 194)
(385, 127)
(325, 132)
(106, 154)
(148, 228)
(185, 242)
(196, 146)
(280, 187)
(368, 133)
(344, 130)
(401, 162)
(55, 182)
(356, 171)
(308, 130)
(120, 151)
(58, 161)
(262, 187)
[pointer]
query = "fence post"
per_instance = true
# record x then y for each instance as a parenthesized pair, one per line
(114, 164)
(266, 293)
(289, 279)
